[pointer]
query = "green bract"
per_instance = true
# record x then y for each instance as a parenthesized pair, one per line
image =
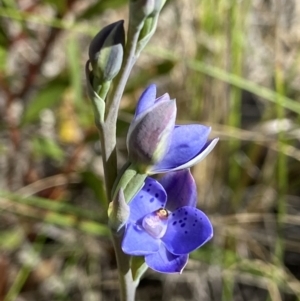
(118, 211)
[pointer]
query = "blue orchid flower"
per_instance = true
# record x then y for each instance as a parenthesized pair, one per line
(156, 144)
(164, 224)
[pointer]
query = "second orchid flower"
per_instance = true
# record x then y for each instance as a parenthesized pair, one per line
(156, 145)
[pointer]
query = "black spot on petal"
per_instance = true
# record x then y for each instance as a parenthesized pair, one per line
(180, 221)
(174, 223)
(141, 196)
(185, 219)
(148, 189)
(156, 195)
(185, 232)
(151, 200)
(182, 225)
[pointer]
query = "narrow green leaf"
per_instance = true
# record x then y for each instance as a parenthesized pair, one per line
(46, 147)
(11, 239)
(230, 78)
(3, 55)
(45, 98)
(50, 205)
(138, 267)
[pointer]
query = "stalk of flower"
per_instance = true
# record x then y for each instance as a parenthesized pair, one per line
(157, 145)
(154, 145)
(164, 224)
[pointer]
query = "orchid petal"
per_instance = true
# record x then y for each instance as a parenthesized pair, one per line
(188, 229)
(165, 262)
(207, 148)
(151, 198)
(187, 142)
(146, 100)
(181, 189)
(164, 97)
(150, 134)
(138, 242)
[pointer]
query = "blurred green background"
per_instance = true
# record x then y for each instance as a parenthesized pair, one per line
(233, 65)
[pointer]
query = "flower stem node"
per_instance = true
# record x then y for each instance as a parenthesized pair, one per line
(106, 52)
(118, 212)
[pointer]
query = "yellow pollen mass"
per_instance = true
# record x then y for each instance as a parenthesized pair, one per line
(162, 213)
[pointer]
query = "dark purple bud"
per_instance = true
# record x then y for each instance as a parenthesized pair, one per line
(106, 51)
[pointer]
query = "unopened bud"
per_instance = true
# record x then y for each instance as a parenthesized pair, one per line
(141, 9)
(151, 129)
(149, 24)
(106, 51)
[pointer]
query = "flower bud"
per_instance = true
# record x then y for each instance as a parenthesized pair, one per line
(140, 9)
(148, 23)
(106, 51)
(118, 211)
(158, 5)
(151, 130)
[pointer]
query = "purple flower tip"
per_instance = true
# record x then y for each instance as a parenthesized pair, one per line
(149, 133)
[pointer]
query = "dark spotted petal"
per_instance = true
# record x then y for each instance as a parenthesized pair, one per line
(188, 229)
(151, 198)
(165, 262)
(180, 188)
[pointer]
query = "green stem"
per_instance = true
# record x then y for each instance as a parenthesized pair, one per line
(130, 58)
(108, 129)
(107, 135)
(282, 174)
(107, 132)
(109, 157)
(127, 284)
